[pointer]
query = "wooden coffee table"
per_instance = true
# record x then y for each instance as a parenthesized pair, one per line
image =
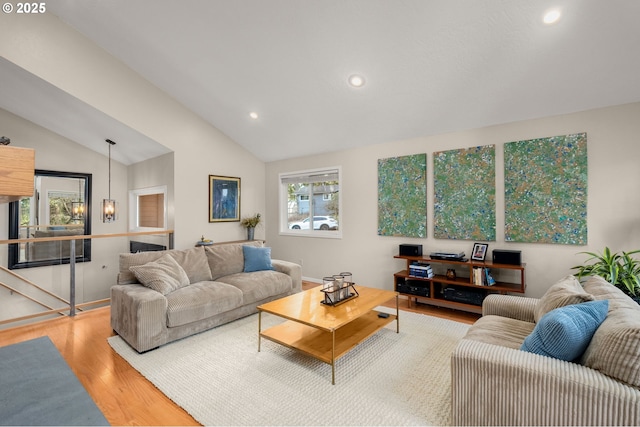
(326, 332)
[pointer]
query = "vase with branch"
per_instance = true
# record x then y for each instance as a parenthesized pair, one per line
(250, 223)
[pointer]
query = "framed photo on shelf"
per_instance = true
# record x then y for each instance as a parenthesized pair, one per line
(224, 198)
(479, 251)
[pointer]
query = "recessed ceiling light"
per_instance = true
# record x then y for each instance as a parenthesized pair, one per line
(356, 80)
(253, 115)
(551, 17)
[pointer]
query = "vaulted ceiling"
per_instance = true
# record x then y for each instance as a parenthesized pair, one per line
(429, 66)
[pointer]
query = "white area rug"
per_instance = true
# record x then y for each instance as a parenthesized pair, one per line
(220, 378)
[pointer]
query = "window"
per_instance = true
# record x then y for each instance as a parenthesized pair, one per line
(148, 209)
(310, 203)
(151, 211)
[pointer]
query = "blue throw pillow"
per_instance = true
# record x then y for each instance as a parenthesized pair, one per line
(256, 259)
(565, 333)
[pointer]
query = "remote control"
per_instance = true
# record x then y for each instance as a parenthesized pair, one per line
(383, 315)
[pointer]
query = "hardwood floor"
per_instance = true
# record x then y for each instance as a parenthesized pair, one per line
(124, 396)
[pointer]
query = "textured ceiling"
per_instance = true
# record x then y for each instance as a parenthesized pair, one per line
(431, 66)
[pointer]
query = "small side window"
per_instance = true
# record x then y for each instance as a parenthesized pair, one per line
(148, 209)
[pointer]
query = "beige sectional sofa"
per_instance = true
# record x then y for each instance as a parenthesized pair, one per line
(208, 288)
(496, 383)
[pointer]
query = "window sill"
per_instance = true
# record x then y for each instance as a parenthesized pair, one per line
(315, 234)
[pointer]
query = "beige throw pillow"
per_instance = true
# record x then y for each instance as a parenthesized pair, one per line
(566, 291)
(128, 260)
(193, 261)
(163, 275)
(615, 348)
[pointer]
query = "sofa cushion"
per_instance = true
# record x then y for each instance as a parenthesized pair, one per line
(256, 259)
(127, 260)
(200, 301)
(565, 333)
(567, 290)
(163, 275)
(259, 285)
(193, 261)
(499, 330)
(615, 347)
(227, 259)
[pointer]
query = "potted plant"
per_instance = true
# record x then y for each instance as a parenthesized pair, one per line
(619, 269)
(250, 223)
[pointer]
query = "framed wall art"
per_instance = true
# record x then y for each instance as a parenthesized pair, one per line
(479, 251)
(224, 198)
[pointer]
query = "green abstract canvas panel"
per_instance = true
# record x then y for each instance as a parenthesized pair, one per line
(465, 194)
(402, 196)
(545, 190)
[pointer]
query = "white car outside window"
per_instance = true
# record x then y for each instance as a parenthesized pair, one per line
(319, 223)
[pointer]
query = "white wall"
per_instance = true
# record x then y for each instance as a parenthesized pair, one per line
(152, 173)
(54, 152)
(613, 205)
(45, 47)
(49, 49)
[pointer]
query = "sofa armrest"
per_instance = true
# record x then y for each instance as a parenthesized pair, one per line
(292, 269)
(139, 316)
(494, 385)
(519, 308)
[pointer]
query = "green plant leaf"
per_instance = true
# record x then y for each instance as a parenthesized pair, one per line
(619, 269)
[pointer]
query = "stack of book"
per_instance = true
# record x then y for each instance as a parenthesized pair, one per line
(482, 277)
(420, 269)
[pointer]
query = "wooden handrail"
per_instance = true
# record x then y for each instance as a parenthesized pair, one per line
(29, 282)
(15, 291)
(71, 306)
(83, 236)
(54, 311)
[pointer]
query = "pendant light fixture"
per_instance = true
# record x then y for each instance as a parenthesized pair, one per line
(77, 207)
(109, 205)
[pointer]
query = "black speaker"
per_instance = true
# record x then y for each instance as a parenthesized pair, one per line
(410, 250)
(504, 256)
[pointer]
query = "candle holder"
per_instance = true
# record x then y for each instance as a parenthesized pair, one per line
(338, 289)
